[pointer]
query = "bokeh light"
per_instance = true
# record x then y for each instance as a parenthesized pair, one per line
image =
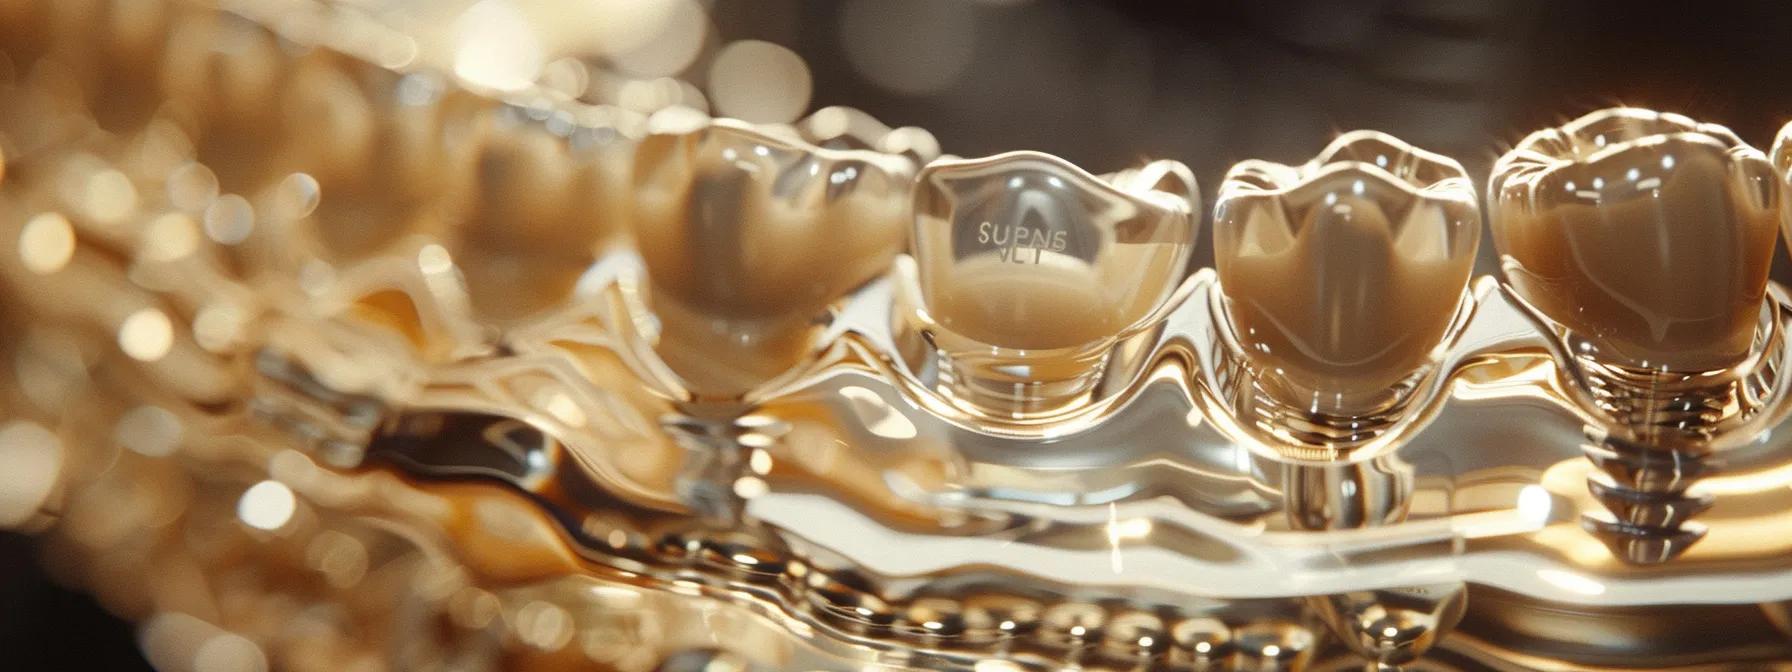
(759, 82)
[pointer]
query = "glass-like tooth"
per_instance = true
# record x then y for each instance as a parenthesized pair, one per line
(222, 77)
(545, 199)
(1648, 236)
(398, 144)
(1781, 157)
(1342, 276)
(1030, 270)
(748, 233)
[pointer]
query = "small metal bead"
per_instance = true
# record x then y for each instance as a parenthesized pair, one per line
(1135, 638)
(1201, 644)
(846, 607)
(1072, 626)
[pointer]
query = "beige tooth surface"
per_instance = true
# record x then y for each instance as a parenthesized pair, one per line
(748, 235)
(1648, 235)
(1782, 165)
(529, 224)
(743, 224)
(1342, 276)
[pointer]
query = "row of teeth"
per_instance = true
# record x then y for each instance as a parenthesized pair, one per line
(1648, 234)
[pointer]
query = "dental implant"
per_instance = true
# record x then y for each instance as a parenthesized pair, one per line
(1028, 271)
(1640, 243)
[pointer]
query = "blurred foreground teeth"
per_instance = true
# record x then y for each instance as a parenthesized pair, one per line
(749, 233)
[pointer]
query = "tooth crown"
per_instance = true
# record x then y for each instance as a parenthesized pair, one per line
(1342, 275)
(541, 205)
(1025, 251)
(748, 222)
(1649, 235)
(1782, 165)
(1782, 152)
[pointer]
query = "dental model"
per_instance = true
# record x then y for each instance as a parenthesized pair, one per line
(285, 436)
(1342, 275)
(1030, 270)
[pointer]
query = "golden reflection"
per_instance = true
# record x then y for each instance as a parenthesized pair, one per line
(171, 236)
(146, 335)
(759, 81)
(30, 465)
(229, 219)
(217, 326)
(670, 49)
(268, 505)
(109, 196)
(497, 48)
(47, 243)
(149, 430)
(177, 641)
(192, 187)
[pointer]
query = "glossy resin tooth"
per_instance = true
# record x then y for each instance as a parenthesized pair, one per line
(546, 197)
(222, 77)
(1648, 236)
(749, 233)
(399, 145)
(1341, 276)
(1782, 167)
(1029, 269)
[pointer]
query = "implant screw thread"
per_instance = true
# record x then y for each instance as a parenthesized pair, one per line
(1014, 390)
(1658, 452)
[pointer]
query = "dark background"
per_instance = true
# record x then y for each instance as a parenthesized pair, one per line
(1207, 83)
(1106, 84)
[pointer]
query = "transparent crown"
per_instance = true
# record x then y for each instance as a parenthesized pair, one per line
(1029, 269)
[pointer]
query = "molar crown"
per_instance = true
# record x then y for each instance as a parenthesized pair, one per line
(1647, 235)
(1342, 276)
(749, 232)
(1029, 270)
